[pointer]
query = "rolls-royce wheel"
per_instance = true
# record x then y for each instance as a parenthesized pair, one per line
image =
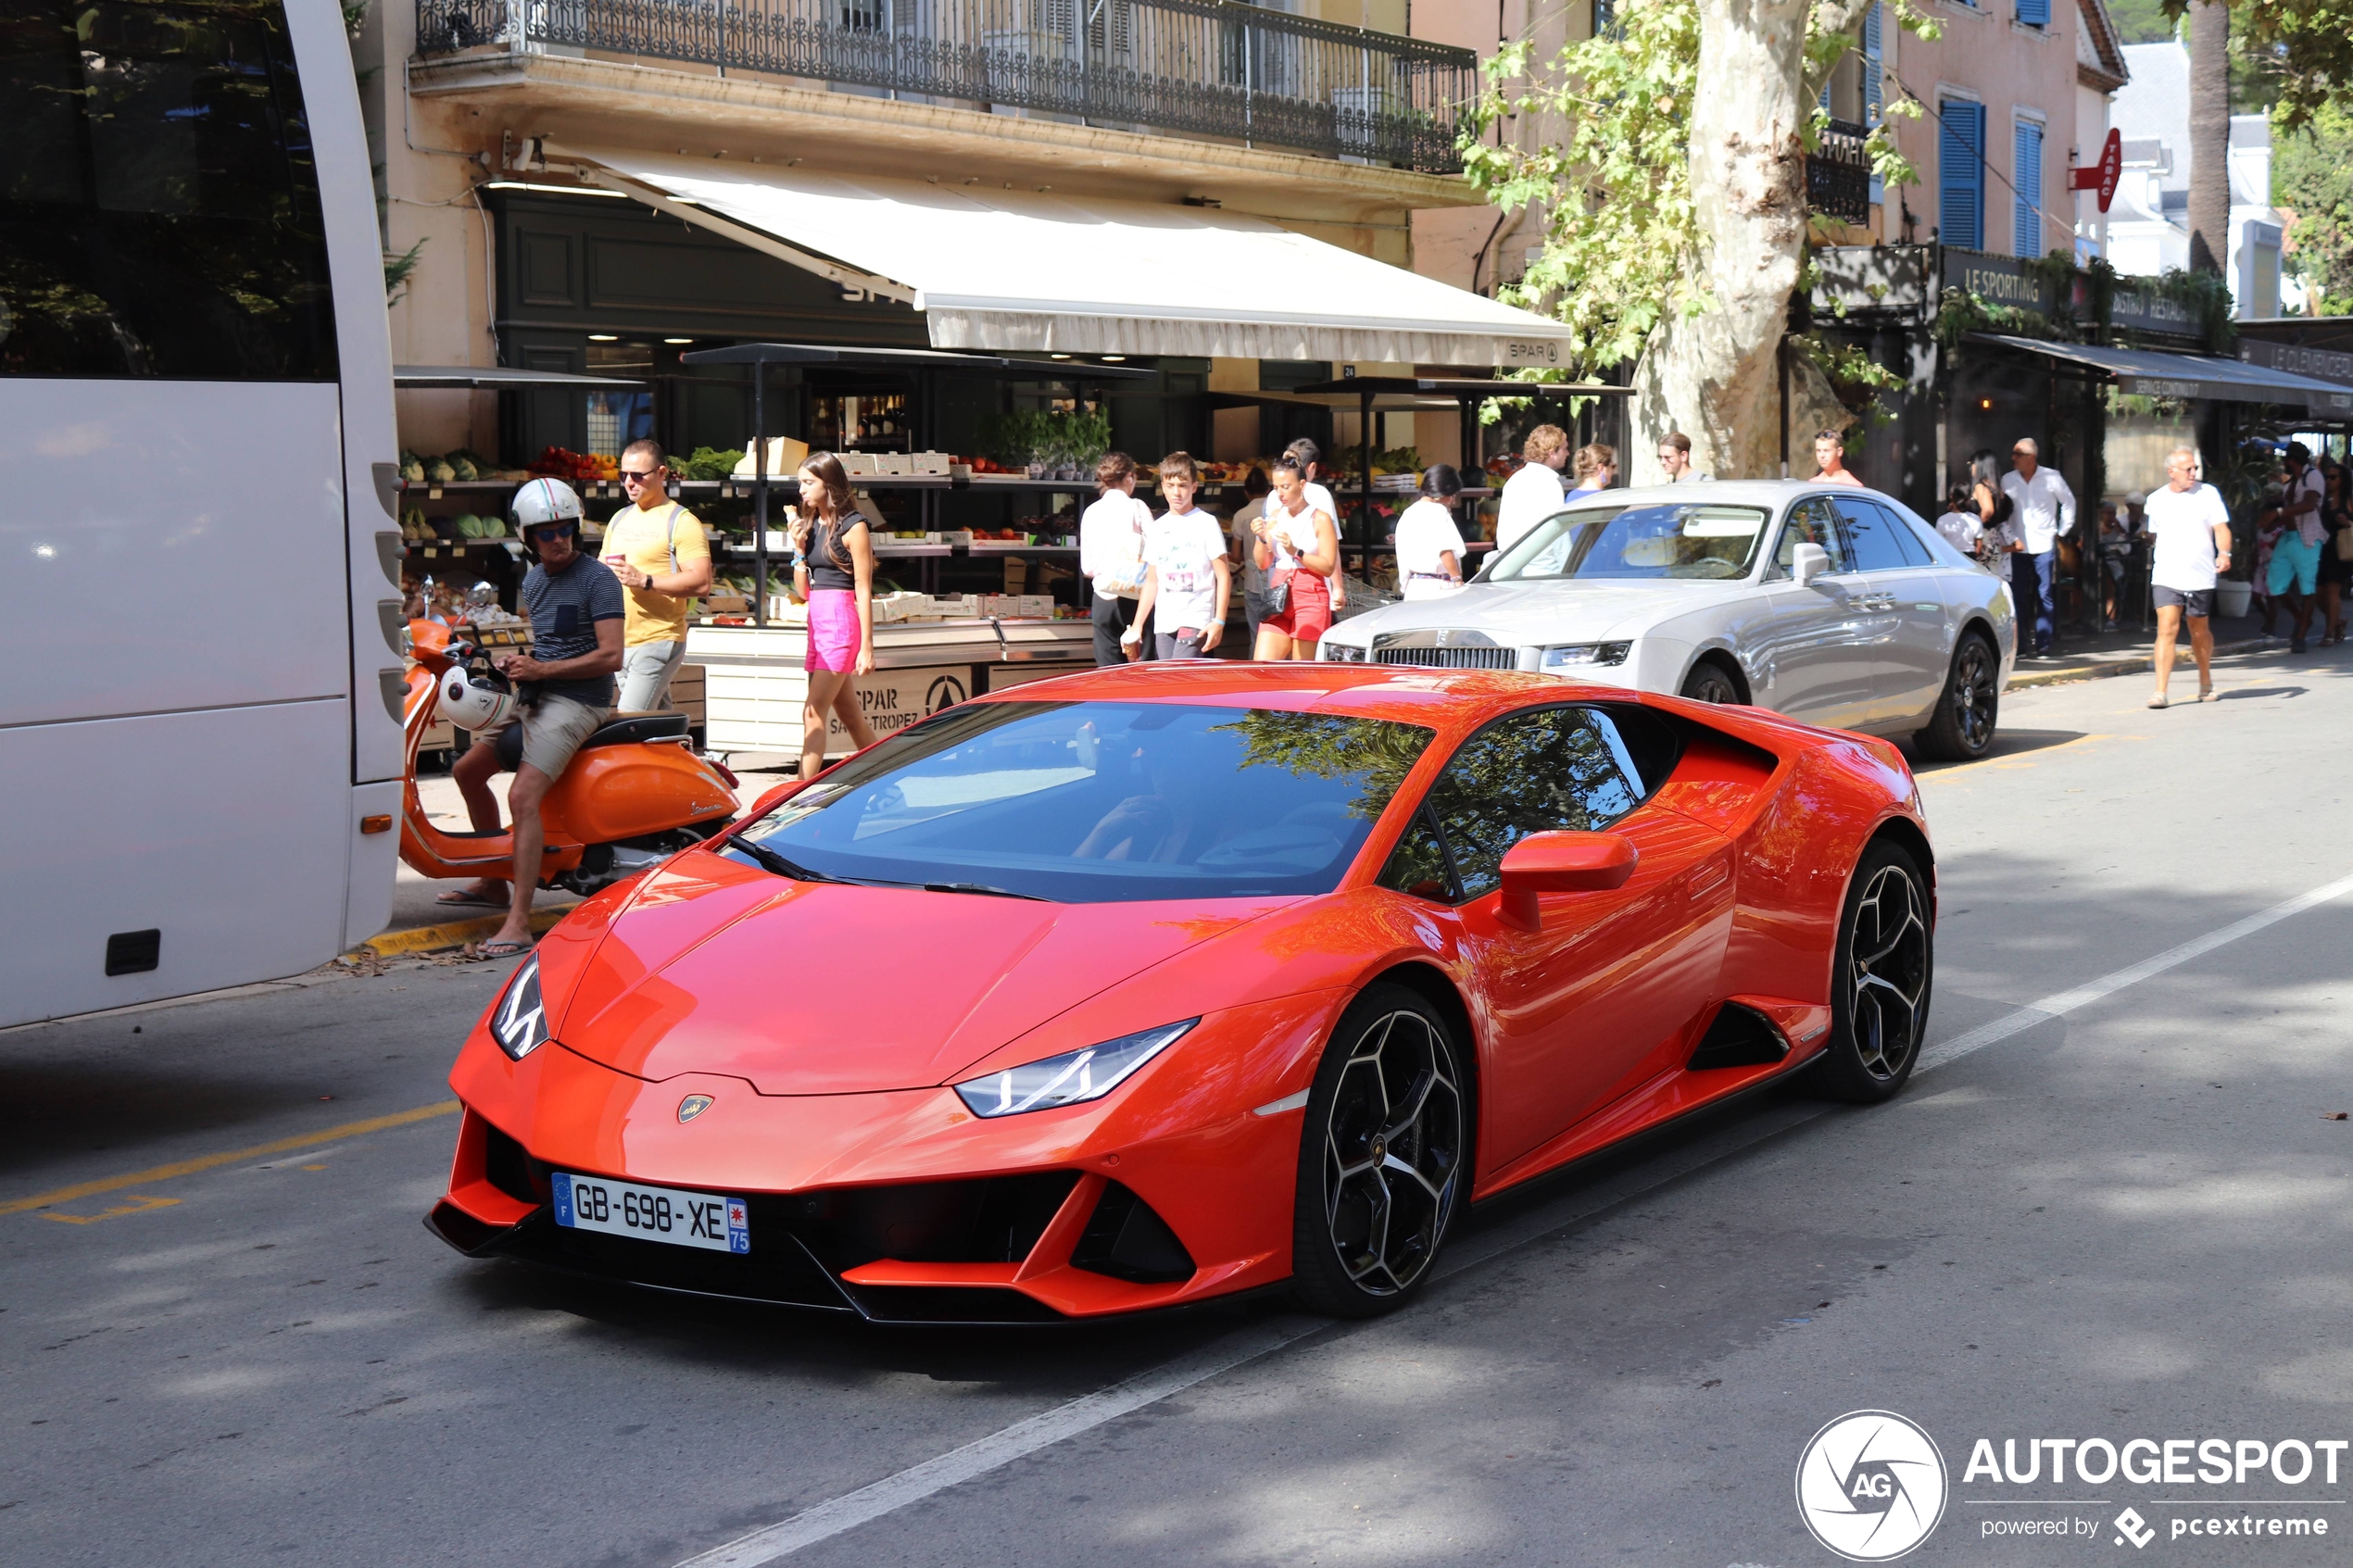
(1710, 681)
(1963, 728)
(1880, 979)
(1382, 1157)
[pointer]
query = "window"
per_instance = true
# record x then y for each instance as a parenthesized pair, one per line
(159, 202)
(2026, 177)
(1811, 521)
(1559, 770)
(2034, 12)
(1102, 802)
(1876, 540)
(1875, 80)
(1417, 866)
(1696, 541)
(1960, 173)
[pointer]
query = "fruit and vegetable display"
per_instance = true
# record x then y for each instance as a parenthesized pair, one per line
(460, 465)
(709, 462)
(576, 468)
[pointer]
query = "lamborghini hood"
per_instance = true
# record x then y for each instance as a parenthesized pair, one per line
(814, 988)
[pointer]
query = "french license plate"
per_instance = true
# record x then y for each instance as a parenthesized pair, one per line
(682, 1219)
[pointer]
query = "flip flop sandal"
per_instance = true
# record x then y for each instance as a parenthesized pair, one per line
(2158, 701)
(461, 899)
(502, 949)
(2209, 694)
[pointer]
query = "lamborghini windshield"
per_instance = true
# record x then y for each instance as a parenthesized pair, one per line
(1097, 802)
(1648, 542)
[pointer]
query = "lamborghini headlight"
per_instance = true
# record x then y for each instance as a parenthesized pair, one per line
(1070, 1078)
(520, 1020)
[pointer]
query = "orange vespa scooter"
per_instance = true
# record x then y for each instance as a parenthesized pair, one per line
(634, 794)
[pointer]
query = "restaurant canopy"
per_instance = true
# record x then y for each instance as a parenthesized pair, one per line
(1032, 271)
(2148, 373)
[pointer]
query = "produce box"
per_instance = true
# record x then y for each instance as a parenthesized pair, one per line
(784, 457)
(927, 462)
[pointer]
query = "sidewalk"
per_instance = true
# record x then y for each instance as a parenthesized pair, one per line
(2132, 650)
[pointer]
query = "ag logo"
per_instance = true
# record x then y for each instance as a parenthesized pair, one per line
(1871, 1485)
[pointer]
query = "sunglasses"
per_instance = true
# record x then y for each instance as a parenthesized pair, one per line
(635, 477)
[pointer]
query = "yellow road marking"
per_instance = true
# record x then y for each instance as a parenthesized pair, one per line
(214, 1161)
(138, 1205)
(451, 934)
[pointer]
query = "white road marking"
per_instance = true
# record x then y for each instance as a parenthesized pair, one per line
(983, 1455)
(977, 1457)
(2061, 1003)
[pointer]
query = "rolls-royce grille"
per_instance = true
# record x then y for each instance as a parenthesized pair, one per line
(1450, 659)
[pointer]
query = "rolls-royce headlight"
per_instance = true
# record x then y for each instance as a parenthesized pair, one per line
(1586, 655)
(1342, 653)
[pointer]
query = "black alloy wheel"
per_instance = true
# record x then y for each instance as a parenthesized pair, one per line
(1382, 1167)
(1962, 730)
(1710, 681)
(1881, 979)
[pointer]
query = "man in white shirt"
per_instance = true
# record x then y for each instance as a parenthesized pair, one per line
(2189, 532)
(2043, 509)
(1111, 553)
(1534, 493)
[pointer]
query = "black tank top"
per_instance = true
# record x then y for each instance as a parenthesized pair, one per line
(829, 552)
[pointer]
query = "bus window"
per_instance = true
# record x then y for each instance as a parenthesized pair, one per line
(158, 201)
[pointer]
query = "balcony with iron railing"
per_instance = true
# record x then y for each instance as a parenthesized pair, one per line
(1199, 67)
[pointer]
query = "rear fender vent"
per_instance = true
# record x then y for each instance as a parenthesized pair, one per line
(1738, 1036)
(1125, 1239)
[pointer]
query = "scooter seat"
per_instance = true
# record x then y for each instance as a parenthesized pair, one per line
(632, 729)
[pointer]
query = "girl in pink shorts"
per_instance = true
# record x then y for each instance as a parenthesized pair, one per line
(834, 570)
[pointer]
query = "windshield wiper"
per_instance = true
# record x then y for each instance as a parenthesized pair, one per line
(981, 887)
(770, 860)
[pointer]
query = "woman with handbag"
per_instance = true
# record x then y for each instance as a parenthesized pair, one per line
(1298, 546)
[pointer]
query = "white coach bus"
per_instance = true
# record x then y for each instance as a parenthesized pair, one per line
(199, 752)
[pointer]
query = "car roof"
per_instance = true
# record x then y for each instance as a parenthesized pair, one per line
(1447, 700)
(1769, 493)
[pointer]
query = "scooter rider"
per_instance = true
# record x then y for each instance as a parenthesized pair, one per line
(566, 685)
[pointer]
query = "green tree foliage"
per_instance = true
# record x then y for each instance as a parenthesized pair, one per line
(1614, 178)
(2143, 21)
(2288, 55)
(2312, 178)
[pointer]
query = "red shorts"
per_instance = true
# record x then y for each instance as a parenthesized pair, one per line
(1309, 615)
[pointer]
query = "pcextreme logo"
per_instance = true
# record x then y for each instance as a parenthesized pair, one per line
(1871, 1485)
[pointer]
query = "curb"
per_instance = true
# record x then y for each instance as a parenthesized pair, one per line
(2126, 666)
(451, 934)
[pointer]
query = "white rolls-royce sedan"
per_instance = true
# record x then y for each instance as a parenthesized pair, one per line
(1829, 603)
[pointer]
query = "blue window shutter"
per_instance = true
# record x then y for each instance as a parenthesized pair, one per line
(2026, 175)
(2034, 12)
(1960, 173)
(1874, 73)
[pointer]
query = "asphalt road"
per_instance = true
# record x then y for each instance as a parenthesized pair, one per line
(2123, 1216)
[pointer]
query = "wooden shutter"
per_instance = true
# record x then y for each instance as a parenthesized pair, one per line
(2026, 177)
(1960, 173)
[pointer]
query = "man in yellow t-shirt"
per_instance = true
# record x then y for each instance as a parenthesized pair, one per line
(656, 547)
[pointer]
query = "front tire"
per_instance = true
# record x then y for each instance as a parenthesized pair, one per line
(1881, 978)
(1383, 1157)
(1969, 708)
(1710, 681)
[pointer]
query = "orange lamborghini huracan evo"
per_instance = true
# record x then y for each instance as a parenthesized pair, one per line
(1131, 988)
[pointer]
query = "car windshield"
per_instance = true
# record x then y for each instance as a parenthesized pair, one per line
(1645, 542)
(1100, 802)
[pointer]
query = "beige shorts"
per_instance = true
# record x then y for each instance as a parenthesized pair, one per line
(553, 728)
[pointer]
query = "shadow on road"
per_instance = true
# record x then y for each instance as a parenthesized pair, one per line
(2006, 742)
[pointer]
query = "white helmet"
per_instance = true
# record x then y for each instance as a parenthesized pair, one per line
(543, 501)
(473, 706)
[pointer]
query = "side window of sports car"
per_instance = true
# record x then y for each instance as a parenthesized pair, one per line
(1556, 770)
(1417, 866)
(1810, 522)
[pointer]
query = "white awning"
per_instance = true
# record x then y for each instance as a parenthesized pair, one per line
(1037, 273)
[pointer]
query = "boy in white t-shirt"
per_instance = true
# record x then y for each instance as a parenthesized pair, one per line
(1188, 581)
(1111, 549)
